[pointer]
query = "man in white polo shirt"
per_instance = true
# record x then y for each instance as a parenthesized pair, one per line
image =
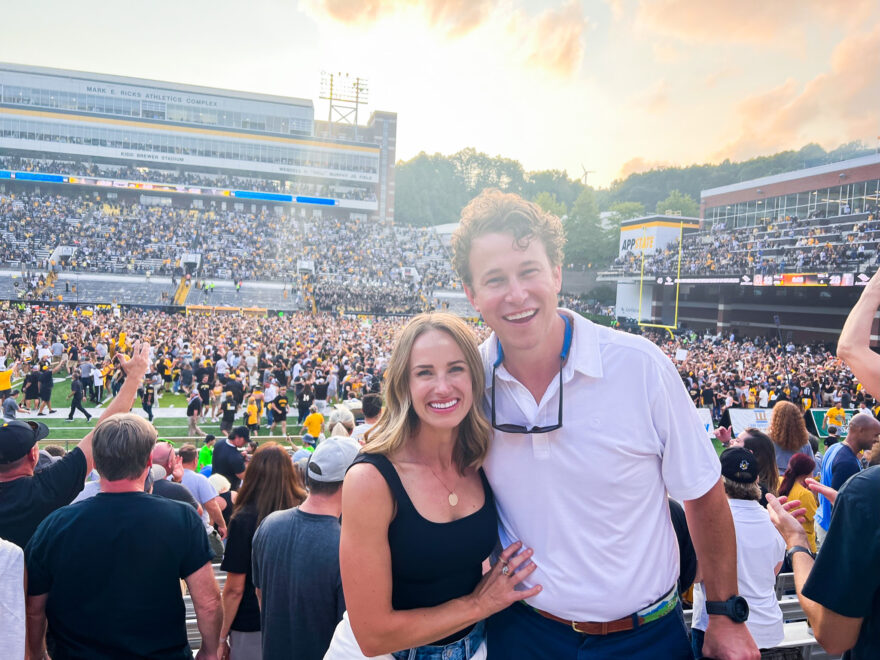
(584, 482)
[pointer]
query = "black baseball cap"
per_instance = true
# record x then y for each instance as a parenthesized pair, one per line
(17, 437)
(740, 465)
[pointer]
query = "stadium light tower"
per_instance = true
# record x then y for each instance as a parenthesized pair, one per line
(345, 94)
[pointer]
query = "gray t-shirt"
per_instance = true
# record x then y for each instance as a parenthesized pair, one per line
(783, 456)
(296, 566)
(10, 407)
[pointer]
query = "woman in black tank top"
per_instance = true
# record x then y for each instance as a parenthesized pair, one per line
(418, 516)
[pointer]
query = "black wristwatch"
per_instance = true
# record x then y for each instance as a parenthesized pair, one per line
(793, 550)
(735, 608)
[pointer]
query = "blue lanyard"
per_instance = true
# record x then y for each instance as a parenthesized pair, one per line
(566, 343)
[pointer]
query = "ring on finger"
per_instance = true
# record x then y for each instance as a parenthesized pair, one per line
(505, 570)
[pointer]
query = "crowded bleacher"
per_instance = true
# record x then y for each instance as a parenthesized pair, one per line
(845, 242)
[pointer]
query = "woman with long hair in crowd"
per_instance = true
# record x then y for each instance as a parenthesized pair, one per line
(793, 485)
(418, 515)
(788, 431)
(270, 484)
(760, 444)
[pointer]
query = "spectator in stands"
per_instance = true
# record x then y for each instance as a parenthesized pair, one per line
(74, 550)
(26, 499)
(271, 484)
(206, 453)
(426, 448)
(372, 408)
(206, 495)
(841, 462)
(227, 459)
(340, 421)
(762, 447)
(793, 486)
(12, 596)
(167, 472)
(839, 597)
(301, 603)
(788, 433)
(759, 555)
(514, 282)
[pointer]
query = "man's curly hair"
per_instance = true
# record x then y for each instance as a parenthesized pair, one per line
(493, 211)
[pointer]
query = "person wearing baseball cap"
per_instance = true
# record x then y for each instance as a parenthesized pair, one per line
(27, 498)
(760, 551)
(302, 601)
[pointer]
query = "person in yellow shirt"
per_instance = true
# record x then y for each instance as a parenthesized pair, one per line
(792, 485)
(6, 377)
(313, 422)
(253, 416)
(835, 415)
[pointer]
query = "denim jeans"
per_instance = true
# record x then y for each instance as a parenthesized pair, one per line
(460, 650)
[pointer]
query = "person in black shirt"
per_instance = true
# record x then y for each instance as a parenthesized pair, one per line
(76, 548)
(27, 498)
(204, 390)
(193, 412)
(279, 410)
(270, 471)
(227, 460)
(47, 382)
(148, 398)
(229, 407)
(76, 393)
(838, 590)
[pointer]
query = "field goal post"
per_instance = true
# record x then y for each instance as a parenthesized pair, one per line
(674, 326)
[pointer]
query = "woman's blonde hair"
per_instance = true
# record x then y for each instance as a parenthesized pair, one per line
(399, 421)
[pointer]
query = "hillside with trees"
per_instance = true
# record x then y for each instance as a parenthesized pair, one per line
(432, 190)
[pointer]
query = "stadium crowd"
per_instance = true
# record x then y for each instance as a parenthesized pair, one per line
(201, 179)
(378, 260)
(841, 243)
(374, 573)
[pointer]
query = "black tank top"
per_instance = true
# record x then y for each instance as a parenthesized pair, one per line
(432, 563)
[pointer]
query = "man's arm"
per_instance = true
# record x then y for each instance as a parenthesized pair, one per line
(215, 513)
(834, 632)
(714, 538)
(36, 626)
(205, 594)
(854, 345)
(134, 369)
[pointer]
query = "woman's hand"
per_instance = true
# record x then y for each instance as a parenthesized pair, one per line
(497, 590)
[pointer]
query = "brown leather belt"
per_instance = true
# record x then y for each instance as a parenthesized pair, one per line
(651, 613)
(593, 627)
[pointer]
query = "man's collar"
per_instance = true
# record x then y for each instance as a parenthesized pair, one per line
(585, 356)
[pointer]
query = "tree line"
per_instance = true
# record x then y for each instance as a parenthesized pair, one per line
(432, 190)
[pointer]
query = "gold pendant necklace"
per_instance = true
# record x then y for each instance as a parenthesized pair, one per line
(453, 498)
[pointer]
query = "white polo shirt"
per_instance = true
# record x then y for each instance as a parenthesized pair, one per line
(590, 498)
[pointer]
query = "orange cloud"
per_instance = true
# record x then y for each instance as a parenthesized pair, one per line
(638, 165)
(745, 21)
(457, 17)
(554, 41)
(843, 98)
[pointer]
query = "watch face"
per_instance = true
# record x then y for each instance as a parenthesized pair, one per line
(740, 609)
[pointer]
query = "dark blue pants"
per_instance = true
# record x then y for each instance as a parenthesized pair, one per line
(520, 632)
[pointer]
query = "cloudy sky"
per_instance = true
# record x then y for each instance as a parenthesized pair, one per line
(614, 85)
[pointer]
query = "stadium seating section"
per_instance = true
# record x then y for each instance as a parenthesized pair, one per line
(845, 243)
